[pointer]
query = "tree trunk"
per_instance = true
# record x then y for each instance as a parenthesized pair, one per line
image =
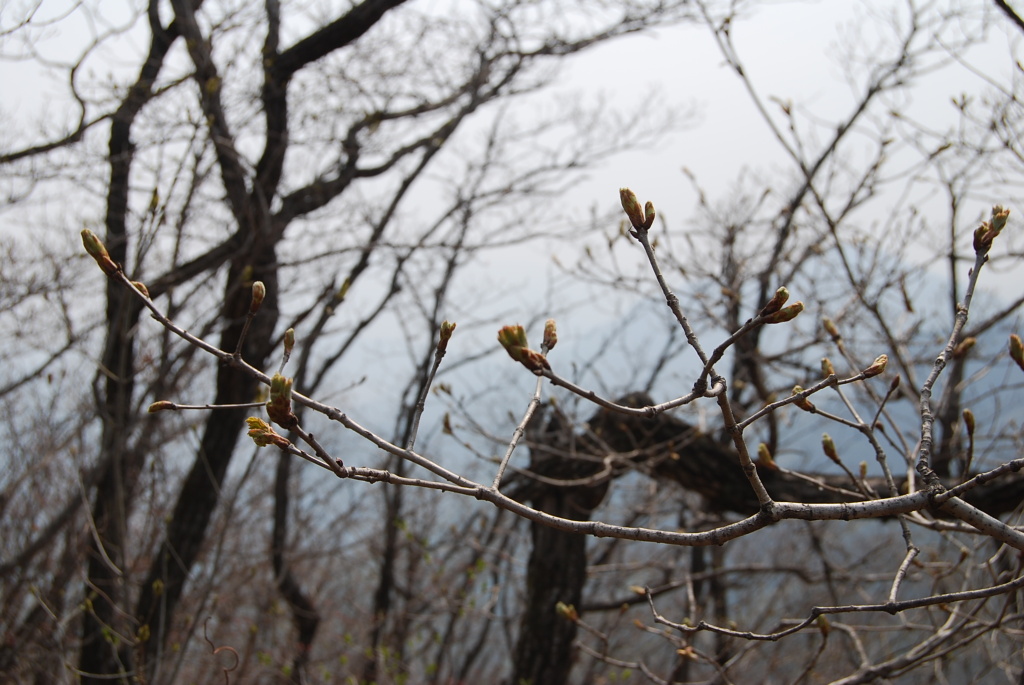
(201, 490)
(557, 570)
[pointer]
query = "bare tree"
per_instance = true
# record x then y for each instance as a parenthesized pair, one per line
(245, 136)
(273, 219)
(869, 285)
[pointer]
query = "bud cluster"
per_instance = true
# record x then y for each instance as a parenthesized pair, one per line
(263, 434)
(513, 339)
(279, 407)
(987, 232)
(641, 218)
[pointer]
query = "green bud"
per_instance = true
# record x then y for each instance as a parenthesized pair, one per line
(826, 367)
(513, 339)
(965, 345)
(877, 367)
(999, 217)
(1017, 350)
(785, 314)
(987, 232)
(161, 405)
(512, 336)
(829, 447)
(775, 304)
(831, 329)
(764, 458)
(279, 406)
(289, 341)
(445, 335)
(802, 402)
(259, 291)
(98, 251)
(649, 211)
(550, 335)
(263, 434)
(631, 206)
(567, 611)
(281, 387)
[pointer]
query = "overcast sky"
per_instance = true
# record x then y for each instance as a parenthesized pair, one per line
(794, 51)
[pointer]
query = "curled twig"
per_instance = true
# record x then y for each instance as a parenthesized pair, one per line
(214, 649)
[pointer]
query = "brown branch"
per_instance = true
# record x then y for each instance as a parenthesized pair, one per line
(339, 33)
(1010, 13)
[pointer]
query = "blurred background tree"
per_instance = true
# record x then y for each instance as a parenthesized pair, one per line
(367, 163)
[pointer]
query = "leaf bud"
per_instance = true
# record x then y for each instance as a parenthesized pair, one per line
(981, 239)
(534, 361)
(263, 434)
(775, 304)
(550, 335)
(826, 367)
(279, 406)
(877, 367)
(785, 314)
(802, 402)
(631, 206)
(963, 347)
(649, 212)
(98, 251)
(445, 334)
(141, 287)
(289, 342)
(512, 337)
(255, 422)
(988, 230)
(567, 611)
(161, 405)
(764, 458)
(829, 447)
(831, 329)
(969, 421)
(1017, 350)
(259, 291)
(999, 217)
